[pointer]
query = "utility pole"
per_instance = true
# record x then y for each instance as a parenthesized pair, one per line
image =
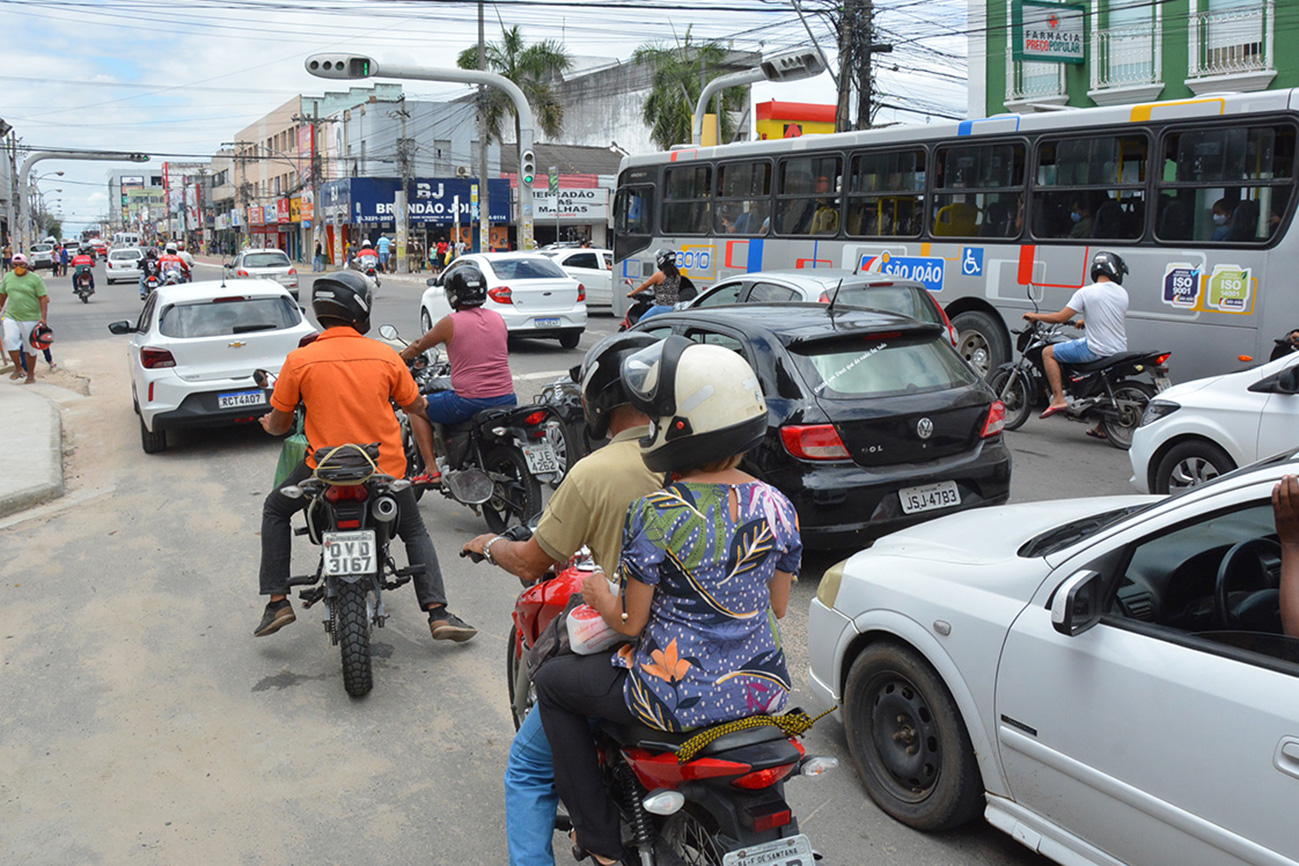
(405, 149)
(484, 203)
(856, 45)
(317, 170)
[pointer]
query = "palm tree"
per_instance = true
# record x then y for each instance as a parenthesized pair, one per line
(532, 68)
(680, 72)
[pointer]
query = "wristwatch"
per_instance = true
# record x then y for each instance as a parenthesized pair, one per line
(487, 549)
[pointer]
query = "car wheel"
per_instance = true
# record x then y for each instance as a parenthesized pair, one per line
(981, 340)
(1188, 464)
(425, 322)
(153, 442)
(570, 339)
(908, 740)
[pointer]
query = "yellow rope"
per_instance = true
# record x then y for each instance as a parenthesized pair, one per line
(374, 467)
(794, 722)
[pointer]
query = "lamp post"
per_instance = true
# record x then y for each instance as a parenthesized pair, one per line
(353, 66)
(787, 66)
(86, 155)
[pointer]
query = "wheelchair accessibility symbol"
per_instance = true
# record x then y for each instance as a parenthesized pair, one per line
(972, 262)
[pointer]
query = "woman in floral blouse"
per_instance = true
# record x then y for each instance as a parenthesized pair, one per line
(707, 566)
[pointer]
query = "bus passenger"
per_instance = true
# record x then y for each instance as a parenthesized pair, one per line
(1221, 220)
(1083, 220)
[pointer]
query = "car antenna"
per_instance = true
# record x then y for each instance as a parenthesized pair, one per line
(835, 296)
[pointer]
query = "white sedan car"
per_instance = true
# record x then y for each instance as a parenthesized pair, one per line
(195, 347)
(591, 267)
(532, 293)
(1198, 430)
(124, 264)
(1103, 679)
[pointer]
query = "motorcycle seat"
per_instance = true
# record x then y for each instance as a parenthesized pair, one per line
(655, 740)
(500, 414)
(1108, 361)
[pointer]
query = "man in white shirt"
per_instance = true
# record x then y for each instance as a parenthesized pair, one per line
(1102, 306)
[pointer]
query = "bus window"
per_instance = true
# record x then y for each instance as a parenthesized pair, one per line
(743, 198)
(807, 202)
(1228, 184)
(979, 190)
(1090, 188)
(886, 194)
(687, 189)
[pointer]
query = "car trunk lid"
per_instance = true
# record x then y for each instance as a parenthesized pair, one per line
(543, 296)
(231, 337)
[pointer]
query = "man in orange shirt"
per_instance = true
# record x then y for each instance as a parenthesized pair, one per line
(345, 381)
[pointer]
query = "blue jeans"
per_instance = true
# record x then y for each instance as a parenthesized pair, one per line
(656, 309)
(448, 407)
(530, 796)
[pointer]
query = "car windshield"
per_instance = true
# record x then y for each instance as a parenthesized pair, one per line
(120, 255)
(1076, 530)
(527, 269)
(266, 260)
(905, 300)
(881, 367)
(225, 317)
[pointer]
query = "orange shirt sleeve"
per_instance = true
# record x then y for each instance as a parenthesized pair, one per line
(403, 390)
(288, 388)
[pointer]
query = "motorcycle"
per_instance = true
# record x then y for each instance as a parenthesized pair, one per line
(726, 804)
(493, 463)
(569, 438)
(1113, 390)
(83, 283)
(644, 299)
(369, 266)
(352, 517)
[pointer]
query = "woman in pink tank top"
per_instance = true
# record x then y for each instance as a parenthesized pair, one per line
(478, 347)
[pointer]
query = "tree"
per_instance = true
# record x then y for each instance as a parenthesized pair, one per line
(680, 72)
(533, 68)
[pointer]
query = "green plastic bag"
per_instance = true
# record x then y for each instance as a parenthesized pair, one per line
(292, 453)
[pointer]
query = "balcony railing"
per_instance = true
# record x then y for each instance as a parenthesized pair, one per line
(1231, 41)
(1026, 80)
(1125, 57)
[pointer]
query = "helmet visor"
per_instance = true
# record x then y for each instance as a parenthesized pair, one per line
(649, 374)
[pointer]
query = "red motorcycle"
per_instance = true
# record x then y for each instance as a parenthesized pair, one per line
(726, 803)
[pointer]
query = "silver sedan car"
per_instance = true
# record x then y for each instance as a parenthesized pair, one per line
(266, 264)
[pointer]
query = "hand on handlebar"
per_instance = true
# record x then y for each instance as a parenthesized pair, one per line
(474, 548)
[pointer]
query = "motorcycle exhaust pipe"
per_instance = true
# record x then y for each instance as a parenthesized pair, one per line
(384, 509)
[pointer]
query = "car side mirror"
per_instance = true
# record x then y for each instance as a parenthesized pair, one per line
(1283, 382)
(229, 266)
(1076, 606)
(122, 327)
(432, 281)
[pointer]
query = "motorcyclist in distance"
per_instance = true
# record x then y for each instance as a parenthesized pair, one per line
(170, 262)
(184, 254)
(148, 265)
(85, 258)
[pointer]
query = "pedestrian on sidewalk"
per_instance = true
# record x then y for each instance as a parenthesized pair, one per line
(439, 260)
(347, 254)
(318, 260)
(24, 304)
(383, 246)
(8, 256)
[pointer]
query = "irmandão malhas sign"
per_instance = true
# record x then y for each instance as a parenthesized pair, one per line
(1042, 31)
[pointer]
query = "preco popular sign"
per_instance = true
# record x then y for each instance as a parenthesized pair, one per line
(1051, 32)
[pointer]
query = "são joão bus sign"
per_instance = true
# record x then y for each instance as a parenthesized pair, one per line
(1042, 31)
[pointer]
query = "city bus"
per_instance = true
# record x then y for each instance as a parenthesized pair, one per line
(1001, 215)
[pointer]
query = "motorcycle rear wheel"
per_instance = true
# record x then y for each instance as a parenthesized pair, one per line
(517, 495)
(1014, 391)
(517, 680)
(1132, 398)
(691, 836)
(352, 626)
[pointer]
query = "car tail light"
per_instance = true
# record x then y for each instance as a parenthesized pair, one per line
(536, 418)
(996, 422)
(339, 492)
(293, 272)
(759, 779)
(769, 817)
(309, 339)
(824, 299)
(151, 384)
(581, 292)
(501, 294)
(814, 442)
(153, 359)
(241, 273)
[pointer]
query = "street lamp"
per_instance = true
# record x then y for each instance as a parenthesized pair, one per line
(793, 65)
(87, 155)
(355, 66)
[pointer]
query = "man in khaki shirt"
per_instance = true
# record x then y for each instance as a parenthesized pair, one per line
(589, 508)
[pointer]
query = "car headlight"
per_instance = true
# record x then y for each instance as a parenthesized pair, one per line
(828, 591)
(1157, 409)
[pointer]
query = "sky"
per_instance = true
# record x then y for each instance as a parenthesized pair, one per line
(179, 77)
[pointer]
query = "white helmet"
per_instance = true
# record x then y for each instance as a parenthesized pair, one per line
(704, 402)
(171, 248)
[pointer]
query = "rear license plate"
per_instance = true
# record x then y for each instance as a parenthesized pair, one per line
(350, 553)
(546, 323)
(1162, 384)
(285, 279)
(793, 851)
(236, 399)
(929, 497)
(541, 458)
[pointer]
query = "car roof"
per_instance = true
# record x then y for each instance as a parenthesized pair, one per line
(207, 290)
(263, 250)
(502, 257)
(825, 277)
(791, 323)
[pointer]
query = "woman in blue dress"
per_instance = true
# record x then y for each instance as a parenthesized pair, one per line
(706, 569)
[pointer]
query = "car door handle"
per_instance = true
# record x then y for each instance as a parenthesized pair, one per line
(1286, 758)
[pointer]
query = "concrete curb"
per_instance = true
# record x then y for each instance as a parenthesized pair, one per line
(36, 436)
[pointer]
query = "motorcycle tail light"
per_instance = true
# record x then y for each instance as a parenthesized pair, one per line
(153, 359)
(1162, 359)
(535, 418)
(814, 442)
(769, 817)
(759, 779)
(340, 492)
(501, 294)
(309, 339)
(996, 422)
(581, 292)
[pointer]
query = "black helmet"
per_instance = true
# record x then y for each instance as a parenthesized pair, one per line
(704, 402)
(466, 287)
(344, 295)
(1108, 264)
(665, 257)
(600, 376)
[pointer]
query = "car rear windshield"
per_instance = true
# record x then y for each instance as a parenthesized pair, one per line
(881, 366)
(528, 269)
(119, 255)
(41, 248)
(223, 318)
(906, 300)
(266, 260)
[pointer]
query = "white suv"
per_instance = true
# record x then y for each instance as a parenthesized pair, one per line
(195, 348)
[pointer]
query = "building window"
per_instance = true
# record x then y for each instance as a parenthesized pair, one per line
(1126, 53)
(1231, 43)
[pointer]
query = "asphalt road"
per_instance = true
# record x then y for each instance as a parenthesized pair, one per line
(143, 724)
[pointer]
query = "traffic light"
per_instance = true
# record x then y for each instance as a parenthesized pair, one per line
(340, 66)
(528, 166)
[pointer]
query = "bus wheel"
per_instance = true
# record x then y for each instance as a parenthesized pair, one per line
(981, 341)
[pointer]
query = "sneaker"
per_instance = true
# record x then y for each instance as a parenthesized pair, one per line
(427, 479)
(278, 614)
(445, 625)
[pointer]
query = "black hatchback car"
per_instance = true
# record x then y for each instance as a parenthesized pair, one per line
(876, 422)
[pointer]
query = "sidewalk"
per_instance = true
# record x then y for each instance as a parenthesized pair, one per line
(304, 270)
(34, 438)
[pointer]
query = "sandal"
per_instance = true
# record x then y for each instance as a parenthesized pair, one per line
(1097, 434)
(427, 479)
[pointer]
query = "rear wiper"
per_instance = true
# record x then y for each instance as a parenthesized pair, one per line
(244, 329)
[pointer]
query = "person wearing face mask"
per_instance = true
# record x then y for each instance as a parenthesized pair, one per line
(1083, 223)
(1221, 220)
(24, 304)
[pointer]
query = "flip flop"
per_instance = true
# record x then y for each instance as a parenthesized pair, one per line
(1097, 434)
(1052, 410)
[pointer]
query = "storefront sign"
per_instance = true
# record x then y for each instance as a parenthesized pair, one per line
(576, 205)
(281, 211)
(295, 210)
(1043, 31)
(430, 201)
(255, 215)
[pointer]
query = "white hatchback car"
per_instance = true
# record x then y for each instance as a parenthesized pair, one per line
(269, 264)
(194, 350)
(591, 267)
(1198, 430)
(532, 293)
(124, 264)
(1103, 679)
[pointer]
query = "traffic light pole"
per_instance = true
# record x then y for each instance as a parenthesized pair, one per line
(87, 155)
(354, 66)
